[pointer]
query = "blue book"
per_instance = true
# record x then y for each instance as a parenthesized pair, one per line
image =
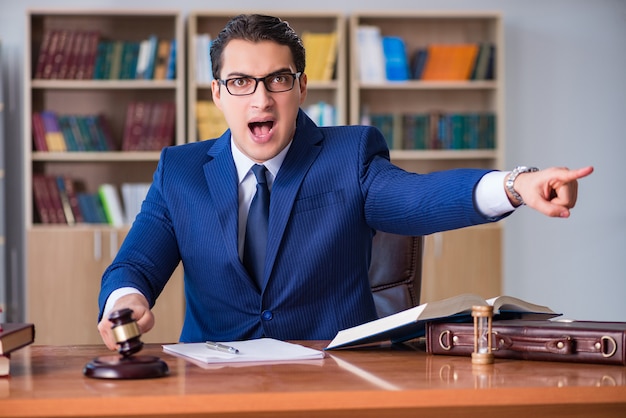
(171, 62)
(396, 63)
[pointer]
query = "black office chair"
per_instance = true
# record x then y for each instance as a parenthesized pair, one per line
(395, 272)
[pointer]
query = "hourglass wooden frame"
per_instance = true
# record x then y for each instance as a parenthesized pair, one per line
(483, 319)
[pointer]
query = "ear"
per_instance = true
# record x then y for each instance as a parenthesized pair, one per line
(216, 92)
(303, 89)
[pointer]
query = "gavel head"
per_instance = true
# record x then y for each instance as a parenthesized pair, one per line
(126, 332)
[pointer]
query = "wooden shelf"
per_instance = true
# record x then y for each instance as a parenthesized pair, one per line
(455, 261)
(64, 263)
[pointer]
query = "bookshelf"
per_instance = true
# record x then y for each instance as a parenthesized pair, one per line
(65, 262)
(329, 91)
(467, 260)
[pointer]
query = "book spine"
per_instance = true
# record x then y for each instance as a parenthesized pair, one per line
(67, 55)
(41, 198)
(44, 50)
(50, 54)
(39, 133)
(111, 204)
(65, 200)
(162, 54)
(70, 191)
(171, 62)
(72, 62)
(54, 137)
(55, 199)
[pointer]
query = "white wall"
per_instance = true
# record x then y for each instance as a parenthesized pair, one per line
(565, 105)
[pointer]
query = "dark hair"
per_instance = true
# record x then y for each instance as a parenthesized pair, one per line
(256, 28)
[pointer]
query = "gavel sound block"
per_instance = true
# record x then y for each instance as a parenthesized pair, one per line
(126, 365)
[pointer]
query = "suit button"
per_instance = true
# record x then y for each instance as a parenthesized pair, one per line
(267, 315)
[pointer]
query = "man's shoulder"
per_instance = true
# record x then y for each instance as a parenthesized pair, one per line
(190, 149)
(356, 132)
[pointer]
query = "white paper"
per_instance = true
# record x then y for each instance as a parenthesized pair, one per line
(258, 350)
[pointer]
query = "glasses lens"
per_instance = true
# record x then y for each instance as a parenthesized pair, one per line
(240, 85)
(279, 82)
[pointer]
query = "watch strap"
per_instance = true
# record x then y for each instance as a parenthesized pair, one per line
(510, 181)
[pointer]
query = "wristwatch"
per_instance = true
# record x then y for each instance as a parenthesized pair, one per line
(510, 181)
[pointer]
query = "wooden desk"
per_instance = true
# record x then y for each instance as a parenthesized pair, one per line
(47, 381)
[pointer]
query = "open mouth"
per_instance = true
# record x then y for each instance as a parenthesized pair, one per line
(260, 129)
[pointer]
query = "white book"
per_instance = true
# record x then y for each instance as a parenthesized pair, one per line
(133, 195)
(202, 44)
(370, 54)
(143, 58)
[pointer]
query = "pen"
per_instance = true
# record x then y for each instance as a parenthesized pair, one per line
(221, 347)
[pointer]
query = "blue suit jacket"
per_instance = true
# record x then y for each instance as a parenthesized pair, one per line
(334, 189)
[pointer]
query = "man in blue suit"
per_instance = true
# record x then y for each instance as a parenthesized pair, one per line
(331, 188)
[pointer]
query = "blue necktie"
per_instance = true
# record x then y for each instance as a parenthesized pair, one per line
(256, 228)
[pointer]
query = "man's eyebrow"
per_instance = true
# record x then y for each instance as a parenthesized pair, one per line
(241, 75)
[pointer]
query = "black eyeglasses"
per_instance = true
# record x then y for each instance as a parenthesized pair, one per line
(275, 83)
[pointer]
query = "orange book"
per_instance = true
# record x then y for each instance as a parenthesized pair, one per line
(449, 61)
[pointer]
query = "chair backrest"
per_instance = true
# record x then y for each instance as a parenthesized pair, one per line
(395, 272)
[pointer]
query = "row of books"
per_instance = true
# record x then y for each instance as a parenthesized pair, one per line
(436, 130)
(52, 132)
(321, 55)
(150, 59)
(149, 126)
(84, 55)
(385, 58)
(322, 113)
(59, 199)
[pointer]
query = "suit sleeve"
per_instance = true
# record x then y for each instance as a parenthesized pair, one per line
(149, 254)
(407, 203)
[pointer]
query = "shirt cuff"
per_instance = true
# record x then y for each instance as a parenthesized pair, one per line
(115, 295)
(491, 198)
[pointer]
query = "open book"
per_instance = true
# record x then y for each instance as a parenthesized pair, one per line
(411, 323)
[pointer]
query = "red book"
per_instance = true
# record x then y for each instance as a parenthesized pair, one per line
(55, 199)
(41, 198)
(86, 60)
(77, 47)
(135, 129)
(166, 137)
(51, 54)
(43, 54)
(60, 51)
(154, 122)
(66, 54)
(39, 133)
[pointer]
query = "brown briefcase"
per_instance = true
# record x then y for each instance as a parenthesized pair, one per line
(573, 341)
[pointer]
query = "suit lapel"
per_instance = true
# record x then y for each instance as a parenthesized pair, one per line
(221, 177)
(304, 150)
